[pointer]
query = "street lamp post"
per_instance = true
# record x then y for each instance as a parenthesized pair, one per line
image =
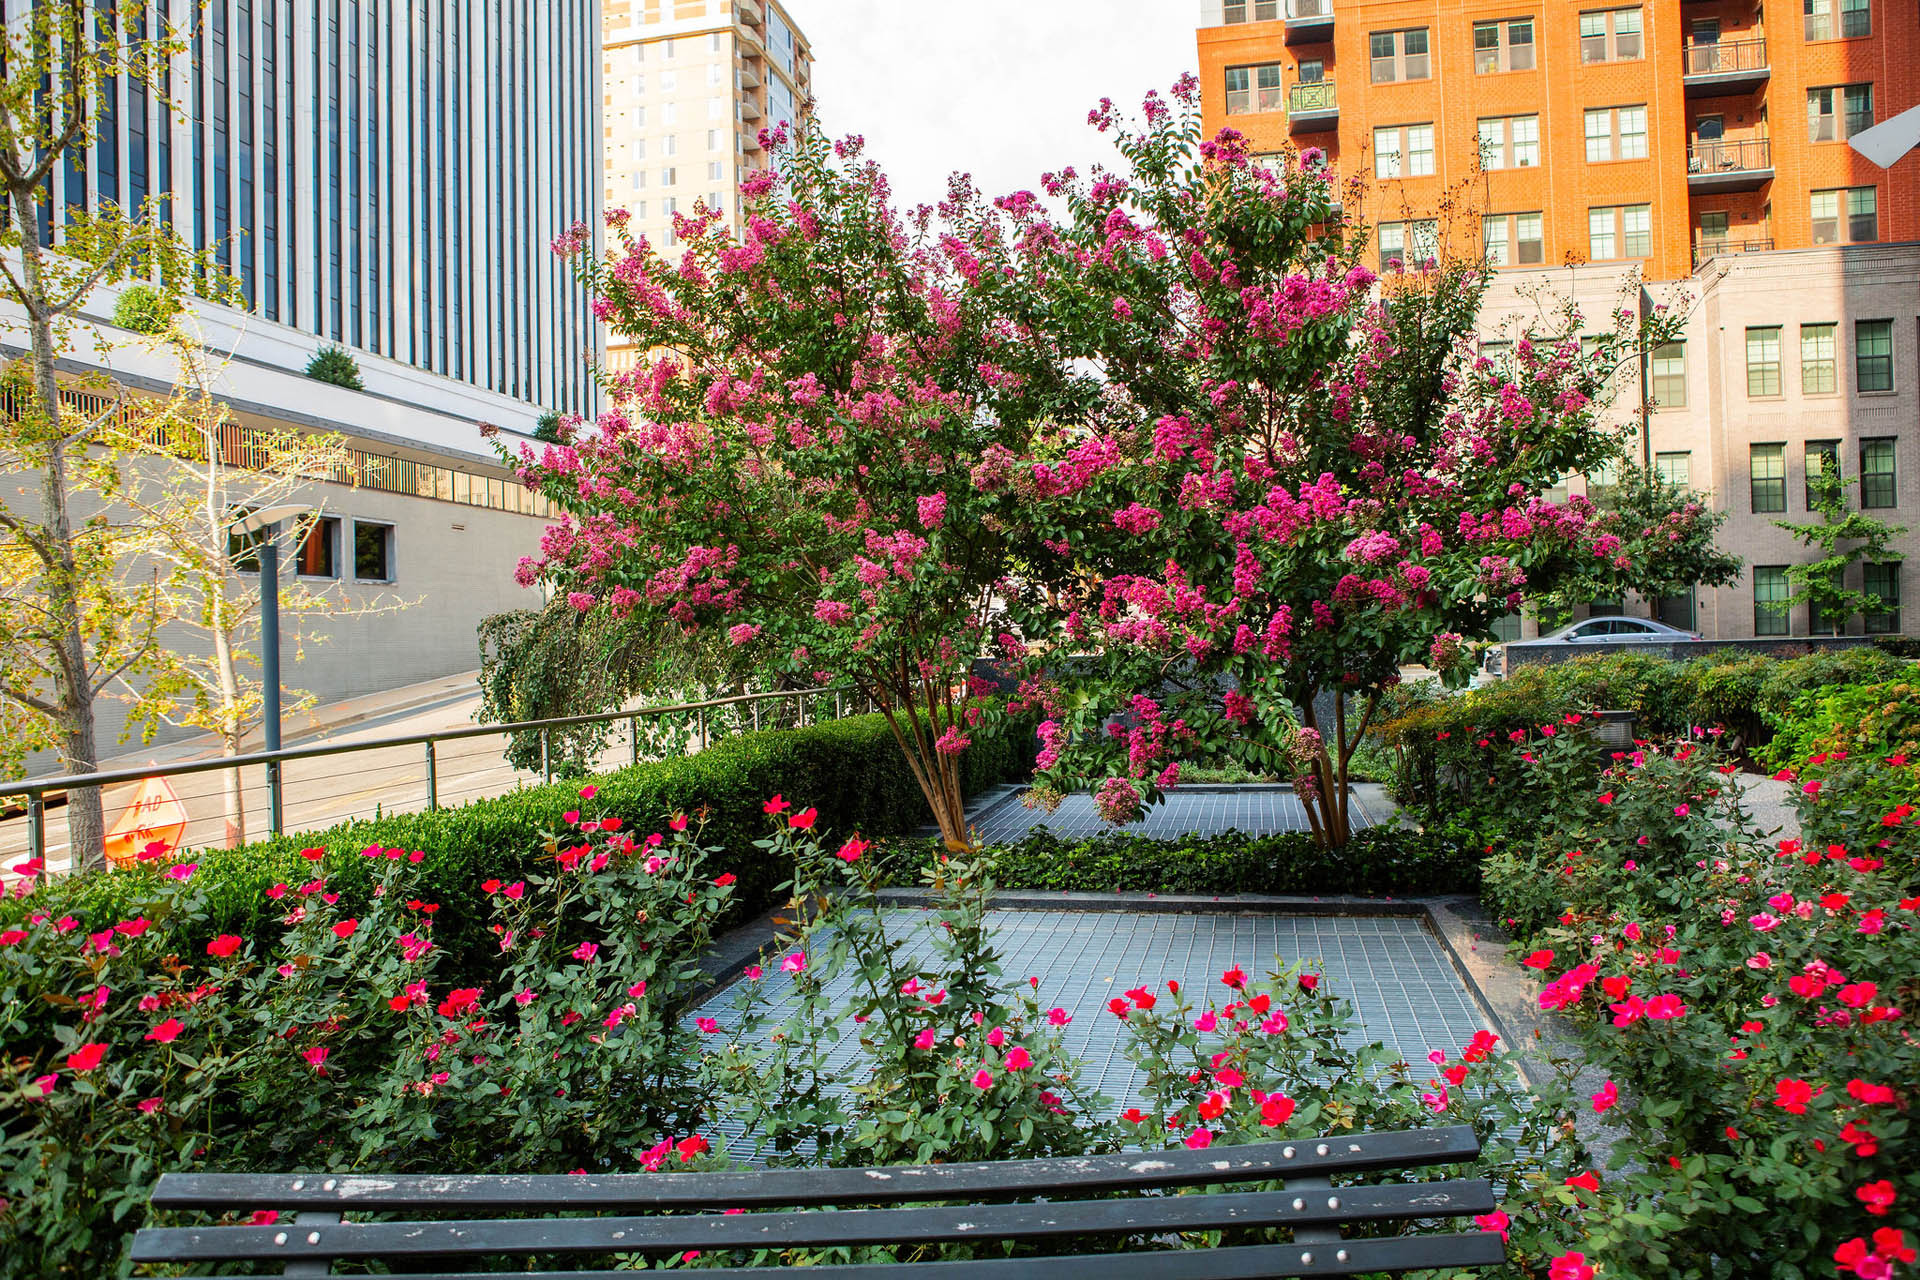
(266, 524)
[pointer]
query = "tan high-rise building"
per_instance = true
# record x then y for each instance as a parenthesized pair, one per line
(689, 86)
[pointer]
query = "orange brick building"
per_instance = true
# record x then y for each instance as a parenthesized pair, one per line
(1689, 153)
(1660, 133)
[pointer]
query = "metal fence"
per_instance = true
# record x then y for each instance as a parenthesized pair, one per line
(336, 782)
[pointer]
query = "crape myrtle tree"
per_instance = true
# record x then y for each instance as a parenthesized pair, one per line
(793, 465)
(1285, 478)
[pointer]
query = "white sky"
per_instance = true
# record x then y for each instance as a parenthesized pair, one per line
(996, 88)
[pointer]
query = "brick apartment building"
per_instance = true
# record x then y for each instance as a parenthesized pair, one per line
(1684, 151)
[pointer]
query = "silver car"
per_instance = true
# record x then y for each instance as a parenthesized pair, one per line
(1595, 631)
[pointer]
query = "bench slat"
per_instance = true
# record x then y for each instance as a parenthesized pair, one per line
(1354, 1153)
(1239, 1262)
(816, 1227)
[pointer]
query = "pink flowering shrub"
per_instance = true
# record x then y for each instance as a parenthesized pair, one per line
(1749, 1001)
(1278, 487)
(794, 467)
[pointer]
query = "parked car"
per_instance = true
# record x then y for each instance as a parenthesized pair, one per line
(1612, 630)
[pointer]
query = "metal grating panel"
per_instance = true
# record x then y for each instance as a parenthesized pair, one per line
(1404, 991)
(1256, 811)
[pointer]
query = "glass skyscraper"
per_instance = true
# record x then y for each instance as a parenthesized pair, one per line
(385, 174)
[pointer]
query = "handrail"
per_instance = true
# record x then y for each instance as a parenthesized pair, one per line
(1314, 95)
(35, 790)
(1707, 156)
(113, 777)
(1724, 56)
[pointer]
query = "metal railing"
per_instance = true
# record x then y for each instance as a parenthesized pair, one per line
(35, 792)
(1729, 155)
(1317, 95)
(1717, 245)
(1726, 55)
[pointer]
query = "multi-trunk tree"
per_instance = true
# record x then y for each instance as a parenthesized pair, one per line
(1177, 455)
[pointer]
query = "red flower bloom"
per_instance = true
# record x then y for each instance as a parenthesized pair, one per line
(224, 945)
(804, 819)
(1877, 1196)
(1588, 1181)
(167, 1032)
(459, 1001)
(86, 1057)
(345, 928)
(724, 879)
(1869, 1094)
(1276, 1110)
(1539, 960)
(313, 855)
(1142, 997)
(1792, 1096)
(775, 805)
(1235, 977)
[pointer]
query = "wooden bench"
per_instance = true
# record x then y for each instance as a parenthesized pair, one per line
(422, 1222)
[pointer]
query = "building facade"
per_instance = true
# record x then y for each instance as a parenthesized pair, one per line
(689, 86)
(1687, 152)
(386, 176)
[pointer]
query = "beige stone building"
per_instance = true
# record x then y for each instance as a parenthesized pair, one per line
(1790, 360)
(689, 86)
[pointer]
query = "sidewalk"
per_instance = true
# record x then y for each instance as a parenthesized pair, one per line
(460, 693)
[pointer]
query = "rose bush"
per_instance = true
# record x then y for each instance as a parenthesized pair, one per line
(1750, 1002)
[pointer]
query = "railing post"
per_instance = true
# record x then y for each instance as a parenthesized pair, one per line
(756, 713)
(546, 758)
(703, 729)
(433, 780)
(273, 797)
(839, 705)
(633, 738)
(37, 830)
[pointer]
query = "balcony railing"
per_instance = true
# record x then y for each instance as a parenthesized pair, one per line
(1297, 9)
(1308, 99)
(1729, 155)
(1724, 56)
(1713, 246)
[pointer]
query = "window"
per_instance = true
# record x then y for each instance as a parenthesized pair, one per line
(1675, 469)
(1817, 363)
(1669, 375)
(670, 176)
(1676, 611)
(1883, 582)
(1403, 150)
(1252, 10)
(1877, 489)
(1506, 627)
(1767, 476)
(1603, 487)
(1819, 621)
(713, 139)
(716, 109)
(1513, 239)
(670, 145)
(1856, 18)
(1251, 89)
(713, 171)
(1837, 112)
(1399, 55)
(1873, 355)
(1312, 71)
(1770, 600)
(1823, 457)
(318, 550)
(672, 113)
(1619, 231)
(372, 552)
(670, 81)
(1861, 222)
(1503, 46)
(1409, 242)
(1610, 35)
(1510, 142)
(1617, 133)
(1763, 364)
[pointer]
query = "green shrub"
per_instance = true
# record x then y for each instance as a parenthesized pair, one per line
(1379, 860)
(547, 427)
(335, 365)
(850, 769)
(144, 309)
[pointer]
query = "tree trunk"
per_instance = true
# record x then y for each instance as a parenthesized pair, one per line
(73, 680)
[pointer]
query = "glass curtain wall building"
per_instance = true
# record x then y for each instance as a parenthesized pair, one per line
(384, 174)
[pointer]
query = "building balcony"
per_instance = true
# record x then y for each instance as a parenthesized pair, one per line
(1309, 21)
(747, 76)
(1729, 164)
(1724, 67)
(750, 13)
(749, 109)
(1312, 108)
(1708, 247)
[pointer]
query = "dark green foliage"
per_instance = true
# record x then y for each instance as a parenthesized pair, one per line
(1378, 861)
(851, 770)
(335, 365)
(547, 427)
(143, 309)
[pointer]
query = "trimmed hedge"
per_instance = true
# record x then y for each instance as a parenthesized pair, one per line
(850, 769)
(1378, 861)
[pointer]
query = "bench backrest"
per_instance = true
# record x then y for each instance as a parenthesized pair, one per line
(1018, 1201)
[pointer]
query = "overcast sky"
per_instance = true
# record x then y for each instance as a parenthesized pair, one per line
(998, 88)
